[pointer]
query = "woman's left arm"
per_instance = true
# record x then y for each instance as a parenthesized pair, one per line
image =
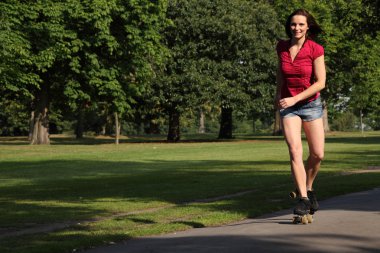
(320, 82)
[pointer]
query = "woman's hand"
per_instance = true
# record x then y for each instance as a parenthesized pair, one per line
(287, 102)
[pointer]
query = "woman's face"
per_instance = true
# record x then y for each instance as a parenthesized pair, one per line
(298, 26)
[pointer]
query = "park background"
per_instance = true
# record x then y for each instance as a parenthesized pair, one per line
(186, 89)
(170, 67)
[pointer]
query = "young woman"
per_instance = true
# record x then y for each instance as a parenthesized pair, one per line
(301, 76)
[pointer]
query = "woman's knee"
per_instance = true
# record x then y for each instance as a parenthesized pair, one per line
(317, 156)
(295, 152)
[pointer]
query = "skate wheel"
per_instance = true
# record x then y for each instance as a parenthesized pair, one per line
(300, 219)
(310, 218)
(304, 219)
(293, 194)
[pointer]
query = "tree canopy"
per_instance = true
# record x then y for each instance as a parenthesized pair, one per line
(115, 64)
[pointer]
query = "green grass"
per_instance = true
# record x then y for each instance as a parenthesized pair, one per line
(145, 186)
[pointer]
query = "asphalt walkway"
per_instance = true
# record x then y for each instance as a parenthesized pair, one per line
(349, 223)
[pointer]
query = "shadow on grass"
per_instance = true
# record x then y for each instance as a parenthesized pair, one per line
(355, 140)
(354, 159)
(132, 139)
(99, 140)
(12, 141)
(158, 139)
(84, 185)
(84, 189)
(89, 187)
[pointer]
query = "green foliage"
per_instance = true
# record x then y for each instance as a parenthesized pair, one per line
(144, 58)
(16, 78)
(81, 51)
(222, 54)
(117, 45)
(345, 121)
(13, 118)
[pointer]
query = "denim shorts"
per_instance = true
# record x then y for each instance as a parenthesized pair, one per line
(306, 111)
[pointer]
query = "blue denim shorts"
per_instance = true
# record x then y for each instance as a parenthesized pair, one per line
(306, 111)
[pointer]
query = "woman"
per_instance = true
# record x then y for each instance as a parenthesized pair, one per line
(301, 76)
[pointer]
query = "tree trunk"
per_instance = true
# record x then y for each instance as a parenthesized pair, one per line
(325, 118)
(154, 128)
(361, 121)
(31, 126)
(40, 131)
(117, 128)
(103, 131)
(80, 121)
(277, 129)
(151, 125)
(225, 131)
(174, 124)
(104, 121)
(202, 128)
(108, 125)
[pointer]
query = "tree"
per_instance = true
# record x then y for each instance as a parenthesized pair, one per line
(77, 53)
(118, 54)
(16, 78)
(365, 91)
(222, 53)
(177, 86)
(240, 49)
(40, 25)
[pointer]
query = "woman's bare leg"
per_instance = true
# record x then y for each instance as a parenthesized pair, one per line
(315, 135)
(292, 131)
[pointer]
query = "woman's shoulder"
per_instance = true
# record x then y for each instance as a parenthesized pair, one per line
(316, 49)
(314, 44)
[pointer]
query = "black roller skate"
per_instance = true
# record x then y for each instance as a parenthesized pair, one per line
(302, 212)
(313, 201)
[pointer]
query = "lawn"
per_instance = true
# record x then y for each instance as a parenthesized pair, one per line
(79, 194)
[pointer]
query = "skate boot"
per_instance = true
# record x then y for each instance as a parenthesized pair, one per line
(302, 212)
(302, 207)
(313, 201)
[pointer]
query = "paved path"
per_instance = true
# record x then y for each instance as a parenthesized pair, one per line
(349, 223)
